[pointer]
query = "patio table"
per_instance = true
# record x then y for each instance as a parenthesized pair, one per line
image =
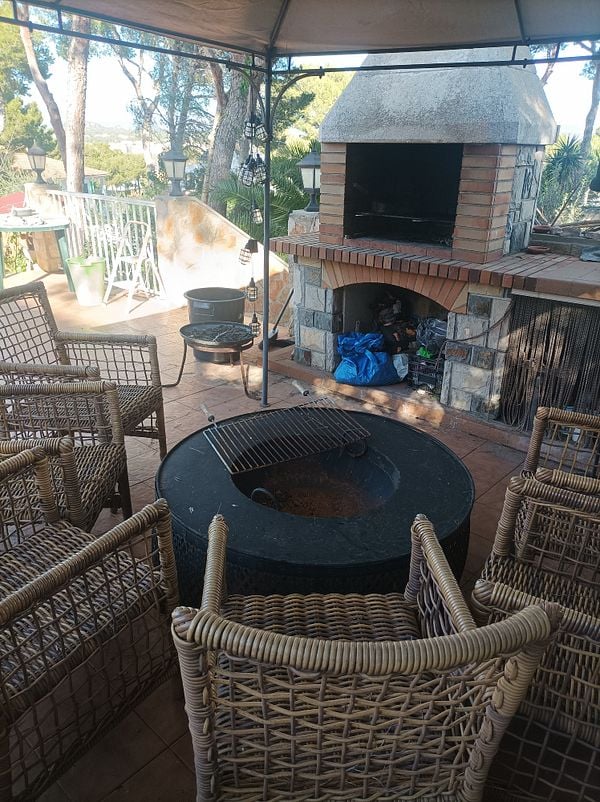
(13, 224)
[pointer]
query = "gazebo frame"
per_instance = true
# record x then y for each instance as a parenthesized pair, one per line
(261, 70)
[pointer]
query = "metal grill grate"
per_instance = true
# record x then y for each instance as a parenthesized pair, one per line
(270, 438)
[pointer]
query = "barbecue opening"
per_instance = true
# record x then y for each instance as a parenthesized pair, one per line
(402, 191)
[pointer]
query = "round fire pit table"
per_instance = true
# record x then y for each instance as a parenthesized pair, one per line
(338, 521)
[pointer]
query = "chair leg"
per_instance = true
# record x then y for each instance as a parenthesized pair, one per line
(125, 493)
(162, 432)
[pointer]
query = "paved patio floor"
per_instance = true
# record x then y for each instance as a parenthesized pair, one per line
(149, 755)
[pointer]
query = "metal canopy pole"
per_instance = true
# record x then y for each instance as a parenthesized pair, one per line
(267, 230)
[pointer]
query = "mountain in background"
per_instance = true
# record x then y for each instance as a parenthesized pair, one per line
(96, 132)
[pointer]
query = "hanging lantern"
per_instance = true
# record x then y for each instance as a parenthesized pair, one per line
(252, 291)
(260, 171)
(255, 325)
(246, 252)
(254, 128)
(247, 172)
(256, 215)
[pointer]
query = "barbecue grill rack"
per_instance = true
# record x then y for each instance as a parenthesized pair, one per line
(282, 435)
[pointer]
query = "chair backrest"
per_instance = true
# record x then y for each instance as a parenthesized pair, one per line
(27, 326)
(568, 441)
(553, 528)
(88, 412)
(135, 241)
(281, 716)
(27, 502)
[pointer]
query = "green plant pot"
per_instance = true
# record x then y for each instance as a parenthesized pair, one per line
(88, 279)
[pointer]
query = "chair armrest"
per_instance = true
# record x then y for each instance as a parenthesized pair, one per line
(145, 539)
(122, 358)
(213, 591)
(432, 587)
(27, 502)
(66, 481)
(33, 372)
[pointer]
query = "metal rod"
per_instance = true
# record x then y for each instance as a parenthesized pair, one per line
(267, 231)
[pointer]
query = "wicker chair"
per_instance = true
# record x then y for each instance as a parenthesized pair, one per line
(93, 464)
(85, 626)
(350, 697)
(547, 548)
(567, 441)
(29, 335)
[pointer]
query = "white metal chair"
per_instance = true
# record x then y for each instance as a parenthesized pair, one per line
(133, 262)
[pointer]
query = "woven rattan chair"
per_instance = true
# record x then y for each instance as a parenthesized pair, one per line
(547, 547)
(84, 629)
(351, 697)
(88, 414)
(29, 334)
(567, 441)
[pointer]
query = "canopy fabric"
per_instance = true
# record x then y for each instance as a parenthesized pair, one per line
(312, 27)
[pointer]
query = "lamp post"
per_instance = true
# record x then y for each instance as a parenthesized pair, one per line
(37, 161)
(174, 162)
(310, 169)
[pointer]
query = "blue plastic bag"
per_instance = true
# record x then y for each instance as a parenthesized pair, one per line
(363, 361)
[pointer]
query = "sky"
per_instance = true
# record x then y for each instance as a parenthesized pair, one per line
(109, 92)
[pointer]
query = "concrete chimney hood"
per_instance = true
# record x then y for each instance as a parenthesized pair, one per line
(470, 105)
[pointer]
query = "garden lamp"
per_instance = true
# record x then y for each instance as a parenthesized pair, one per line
(174, 162)
(256, 214)
(254, 128)
(246, 252)
(310, 169)
(255, 325)
(252, 291)
(595, 183)
(37, 161)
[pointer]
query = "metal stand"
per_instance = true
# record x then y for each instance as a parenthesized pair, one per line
(232, 350)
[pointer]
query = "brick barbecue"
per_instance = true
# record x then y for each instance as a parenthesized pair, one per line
(429, 181)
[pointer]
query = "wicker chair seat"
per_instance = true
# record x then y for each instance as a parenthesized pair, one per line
(47, 642)
(350, 617)
(137, 402)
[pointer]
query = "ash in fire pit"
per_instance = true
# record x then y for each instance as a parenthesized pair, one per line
(334, 484)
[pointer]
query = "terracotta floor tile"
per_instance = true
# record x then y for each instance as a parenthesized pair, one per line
(55, 794)
(164, 779)
(484, 521)
(123, 751)
(163, 711)
(184, 750)
(461, 443)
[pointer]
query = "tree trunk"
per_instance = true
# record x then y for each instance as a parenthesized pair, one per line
(590, 120)
(551, 52)
(227, 129)
(78, 64)
(42, 86)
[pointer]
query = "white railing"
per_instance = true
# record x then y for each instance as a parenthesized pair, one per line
(97, 226)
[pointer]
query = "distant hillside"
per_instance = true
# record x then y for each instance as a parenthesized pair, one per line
(96, 132)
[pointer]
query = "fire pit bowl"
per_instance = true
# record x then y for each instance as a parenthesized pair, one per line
(338, 521)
